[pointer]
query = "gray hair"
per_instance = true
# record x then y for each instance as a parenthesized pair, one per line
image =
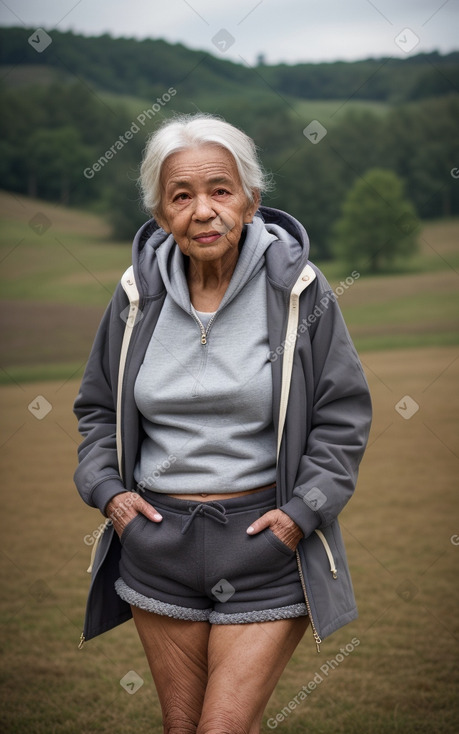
(188, 131)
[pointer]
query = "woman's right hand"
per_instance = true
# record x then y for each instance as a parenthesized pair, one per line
(125, 506)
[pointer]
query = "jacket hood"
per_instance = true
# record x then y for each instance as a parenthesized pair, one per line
(255, 240)
(285, 255)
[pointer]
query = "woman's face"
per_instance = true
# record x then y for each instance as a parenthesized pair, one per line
(203, 203)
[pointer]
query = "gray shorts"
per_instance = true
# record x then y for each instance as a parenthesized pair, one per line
(199, 564)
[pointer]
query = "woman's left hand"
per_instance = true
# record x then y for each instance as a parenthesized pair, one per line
(281, 525)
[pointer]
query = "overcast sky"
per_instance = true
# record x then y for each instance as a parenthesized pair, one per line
(281, 30)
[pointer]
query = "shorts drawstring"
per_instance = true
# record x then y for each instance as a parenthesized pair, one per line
(215, 510)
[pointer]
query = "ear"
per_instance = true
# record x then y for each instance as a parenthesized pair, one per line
(252, 207)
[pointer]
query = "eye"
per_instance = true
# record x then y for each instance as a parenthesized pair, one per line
(183, 196)
(221, 192)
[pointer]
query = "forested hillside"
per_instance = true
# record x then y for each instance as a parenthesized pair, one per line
(77, 114)
(145, 68)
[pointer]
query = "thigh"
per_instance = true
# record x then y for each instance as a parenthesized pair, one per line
(245, 663)
(176, 651)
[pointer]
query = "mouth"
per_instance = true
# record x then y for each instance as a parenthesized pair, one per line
(206, 238)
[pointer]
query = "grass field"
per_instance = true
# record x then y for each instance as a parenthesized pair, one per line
(400, 529)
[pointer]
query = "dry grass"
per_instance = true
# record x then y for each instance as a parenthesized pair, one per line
(401, 678)
(17, 208)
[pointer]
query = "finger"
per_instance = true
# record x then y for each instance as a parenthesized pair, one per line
(262, 523)
(150, 512)
(146, 509)
(134, 502)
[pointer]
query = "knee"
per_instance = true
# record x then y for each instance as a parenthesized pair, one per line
(222, 723)
(179, 726)
(177, 721)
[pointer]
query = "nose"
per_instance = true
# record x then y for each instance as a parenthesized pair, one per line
(204, 209)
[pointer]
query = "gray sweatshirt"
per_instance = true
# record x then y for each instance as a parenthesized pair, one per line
(206, 404)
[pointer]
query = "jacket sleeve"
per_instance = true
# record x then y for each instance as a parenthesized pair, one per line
(340, 420)
(97, 476)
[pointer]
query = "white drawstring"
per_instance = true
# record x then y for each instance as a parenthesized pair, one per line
(331, 560)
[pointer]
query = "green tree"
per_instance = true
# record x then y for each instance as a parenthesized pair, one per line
(421, 142)
(378, 225)
(123, 206)
(55, 162)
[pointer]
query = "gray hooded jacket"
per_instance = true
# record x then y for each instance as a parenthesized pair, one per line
(326, 426)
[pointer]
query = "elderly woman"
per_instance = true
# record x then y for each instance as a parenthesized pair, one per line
(225, 413)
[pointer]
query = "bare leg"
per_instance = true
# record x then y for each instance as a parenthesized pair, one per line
(176, 651)
(245, 662)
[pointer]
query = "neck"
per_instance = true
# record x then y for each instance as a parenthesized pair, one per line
(208, 281)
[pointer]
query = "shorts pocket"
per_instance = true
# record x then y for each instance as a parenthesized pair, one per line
(132, 525)
(272, 538)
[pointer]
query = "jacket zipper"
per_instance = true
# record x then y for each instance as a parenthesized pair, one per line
(333, 572)
(316, 635)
